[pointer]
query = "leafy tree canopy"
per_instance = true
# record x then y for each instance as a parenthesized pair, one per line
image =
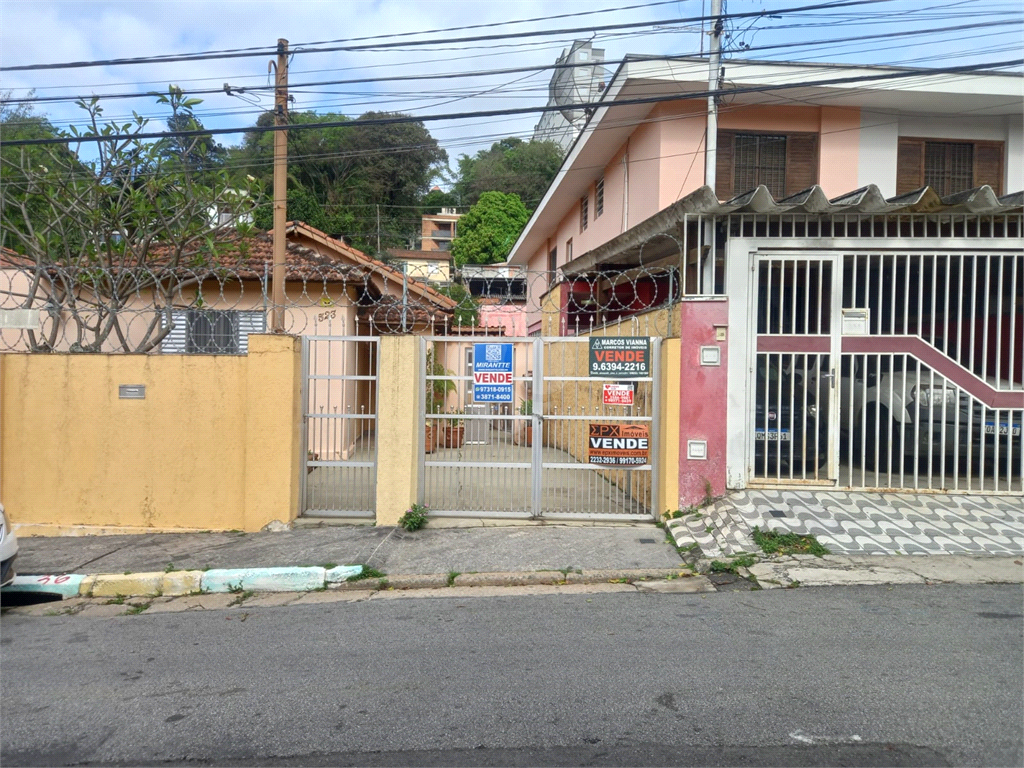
(488, 231)
(512, 166)
(351, 170)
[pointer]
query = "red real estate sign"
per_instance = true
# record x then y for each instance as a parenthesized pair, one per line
(617, 394)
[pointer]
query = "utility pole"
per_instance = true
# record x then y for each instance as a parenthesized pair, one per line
(714, 67)
(711, 144)
(280, 183)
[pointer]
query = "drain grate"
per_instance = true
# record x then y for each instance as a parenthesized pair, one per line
(648, 541)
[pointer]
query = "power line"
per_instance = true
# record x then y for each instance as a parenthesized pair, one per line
(400, 119)
(267, 50)
(511, 70)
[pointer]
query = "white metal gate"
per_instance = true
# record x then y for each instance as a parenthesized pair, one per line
(889, 370)
(339, 426)
(529, 458)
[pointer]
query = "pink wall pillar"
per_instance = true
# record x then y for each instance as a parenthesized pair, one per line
(703, 396)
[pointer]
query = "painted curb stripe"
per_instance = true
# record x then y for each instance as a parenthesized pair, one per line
(342, 573)
(263, 579)
(66, 584)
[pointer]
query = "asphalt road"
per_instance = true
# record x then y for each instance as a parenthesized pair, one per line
(913, 675)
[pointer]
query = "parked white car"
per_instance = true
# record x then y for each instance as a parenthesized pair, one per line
(8, 550)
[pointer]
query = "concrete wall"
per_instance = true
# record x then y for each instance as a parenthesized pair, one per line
(703, 399)
(215, 444)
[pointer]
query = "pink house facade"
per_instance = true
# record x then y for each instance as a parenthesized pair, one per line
(862, 231)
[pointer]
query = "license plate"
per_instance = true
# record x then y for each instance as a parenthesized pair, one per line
(1004, 429)
(774, 435)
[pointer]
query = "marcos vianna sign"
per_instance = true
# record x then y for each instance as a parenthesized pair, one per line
(620, 357)
(619, 445)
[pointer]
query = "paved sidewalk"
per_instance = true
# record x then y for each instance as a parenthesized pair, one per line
(391, 550)
(861, 523)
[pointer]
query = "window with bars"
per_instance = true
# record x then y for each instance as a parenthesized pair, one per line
(760, 159)
(948, 167)
(785, 163)
(212, 331)
(599, 198)
(584, 212)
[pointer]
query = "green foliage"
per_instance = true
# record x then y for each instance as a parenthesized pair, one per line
(349, 171)
(488, 231)
(435, 200)
(437, 389)
(467, 311)
(512, 166)
(367, 573)
(526, 408)
(414, 518)
(132, 204)
(775, 543)
(740, 561)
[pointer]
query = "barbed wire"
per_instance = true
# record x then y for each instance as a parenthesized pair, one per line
(212, 309)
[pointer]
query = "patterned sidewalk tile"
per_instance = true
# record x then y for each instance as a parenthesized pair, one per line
(860, 523)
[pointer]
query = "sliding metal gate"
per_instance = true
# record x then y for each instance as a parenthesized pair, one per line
(889, 370)
(530, 458)
(339, 426)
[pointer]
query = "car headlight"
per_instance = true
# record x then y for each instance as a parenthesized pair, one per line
(934, 397)
(812, 411)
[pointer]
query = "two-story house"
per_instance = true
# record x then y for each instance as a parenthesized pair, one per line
(847, 283)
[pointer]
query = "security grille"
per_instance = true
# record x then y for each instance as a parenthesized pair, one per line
(896, 370)
(339, 426)
(531, 458)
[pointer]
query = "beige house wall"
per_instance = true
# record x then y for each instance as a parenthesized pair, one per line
(213, 446)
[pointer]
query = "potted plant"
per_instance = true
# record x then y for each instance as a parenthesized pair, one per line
(526, 409)
(436, 394)
(454, 432)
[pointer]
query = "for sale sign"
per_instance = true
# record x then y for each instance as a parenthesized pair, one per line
(617, 394)
(619, 445)
(492, 373)
(620, 357)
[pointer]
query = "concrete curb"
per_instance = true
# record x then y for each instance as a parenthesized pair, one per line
(307, 579)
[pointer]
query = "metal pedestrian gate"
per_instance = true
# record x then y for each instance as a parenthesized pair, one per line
(532, 454)
(339, 426)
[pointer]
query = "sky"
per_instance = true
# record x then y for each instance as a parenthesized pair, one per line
(51, 31)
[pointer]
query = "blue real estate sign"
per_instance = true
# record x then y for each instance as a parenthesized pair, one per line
(492, 373)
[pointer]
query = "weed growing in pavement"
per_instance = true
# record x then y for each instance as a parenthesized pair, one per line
(241, 597)
(235, 589)
(328, 566)
(367, 573)
(452, 576)
(775, 543)
(116, 600)
(136, 609)
(793, 585)
(414, 518)
(741, 561)
(170, 568)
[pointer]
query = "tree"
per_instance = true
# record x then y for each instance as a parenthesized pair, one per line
(435, 200)
(488, 231)
(18, 123)
(124, 223)
(198, 153)
(353, 169)
(512, 166)
(466, 309)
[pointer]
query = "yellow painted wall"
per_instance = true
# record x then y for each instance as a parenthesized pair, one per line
(214, 446)
(400, 421)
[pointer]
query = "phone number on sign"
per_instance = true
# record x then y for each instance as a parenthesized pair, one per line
(631, 461)
(620, 367)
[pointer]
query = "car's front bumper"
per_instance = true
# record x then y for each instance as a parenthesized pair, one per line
(7, 572)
